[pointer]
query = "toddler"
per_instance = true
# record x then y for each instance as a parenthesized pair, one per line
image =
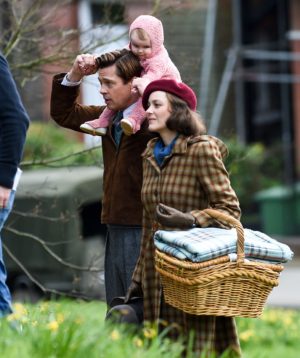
(146, 42)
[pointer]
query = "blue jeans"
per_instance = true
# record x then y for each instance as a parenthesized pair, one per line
(5, 297)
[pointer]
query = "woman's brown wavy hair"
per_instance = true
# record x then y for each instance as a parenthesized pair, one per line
(182, 119)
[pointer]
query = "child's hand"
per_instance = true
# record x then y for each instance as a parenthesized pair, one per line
(139, 84)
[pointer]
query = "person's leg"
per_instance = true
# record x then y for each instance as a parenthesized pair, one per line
(133, 124)
(5, 297)
(99, 125)
(111, 276)
(121, 254)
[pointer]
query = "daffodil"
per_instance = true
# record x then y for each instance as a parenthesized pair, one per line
(20, 309)
(19, 313)
(44, 306)
(60, 318)
(53, 326)
(115, 335)
(246, 335)
(149, 332)
(79, 320)
(138, 342)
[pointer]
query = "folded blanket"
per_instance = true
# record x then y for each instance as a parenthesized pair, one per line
(202, 244)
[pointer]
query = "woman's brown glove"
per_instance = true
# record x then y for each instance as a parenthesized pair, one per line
(134, 290)
(171, 217)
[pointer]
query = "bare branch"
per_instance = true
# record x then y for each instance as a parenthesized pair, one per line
(38, 284)
(61, 218)
(52, 253)
(58, 159)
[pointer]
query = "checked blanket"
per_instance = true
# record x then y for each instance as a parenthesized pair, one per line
(202, 244)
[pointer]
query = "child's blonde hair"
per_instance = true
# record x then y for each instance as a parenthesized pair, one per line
(142, 34)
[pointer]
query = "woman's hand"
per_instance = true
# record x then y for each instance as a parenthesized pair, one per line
(171, 217)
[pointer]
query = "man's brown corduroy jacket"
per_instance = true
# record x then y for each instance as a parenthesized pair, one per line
(122, 179)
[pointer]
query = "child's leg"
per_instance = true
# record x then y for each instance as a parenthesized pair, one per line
(133, 123)
(98, 126)
(104, 120)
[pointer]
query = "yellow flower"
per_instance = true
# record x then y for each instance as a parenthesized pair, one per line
(79, 320)
(19, 313)
(12, 317)
(53, 325)
(115, 335)
(270, 316)
(149, 332)
(20, 309)
(287, 320)
(246, 335)
(44, 306)
(60, 317)
(137, 342)
(34, 323)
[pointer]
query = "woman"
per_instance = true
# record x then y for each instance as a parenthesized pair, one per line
(183, 173)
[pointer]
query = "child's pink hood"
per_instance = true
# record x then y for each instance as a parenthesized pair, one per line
(154, 29)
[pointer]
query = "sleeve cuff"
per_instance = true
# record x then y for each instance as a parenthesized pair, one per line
(7, 175)
(68, 83)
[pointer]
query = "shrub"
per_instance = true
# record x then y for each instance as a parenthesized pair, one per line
(46, 141)
(252, 168)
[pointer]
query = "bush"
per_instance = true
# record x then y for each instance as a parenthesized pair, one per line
(47, 142)
(252, 168)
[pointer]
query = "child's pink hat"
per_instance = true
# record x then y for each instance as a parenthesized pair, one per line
(154, 29)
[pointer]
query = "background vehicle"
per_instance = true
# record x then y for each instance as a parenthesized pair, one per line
(54, 230)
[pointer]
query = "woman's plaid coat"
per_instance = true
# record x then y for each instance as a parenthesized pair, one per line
(192, 178)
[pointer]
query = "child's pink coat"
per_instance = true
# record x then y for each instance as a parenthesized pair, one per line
(158, 66)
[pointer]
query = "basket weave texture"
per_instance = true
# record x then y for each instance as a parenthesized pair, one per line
(218, 287)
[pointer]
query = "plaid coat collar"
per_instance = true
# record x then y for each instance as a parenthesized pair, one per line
(180, 147)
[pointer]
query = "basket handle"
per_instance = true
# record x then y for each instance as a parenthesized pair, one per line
(237, 225)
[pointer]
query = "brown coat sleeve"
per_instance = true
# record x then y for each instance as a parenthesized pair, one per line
(64, 108)
(215, 182)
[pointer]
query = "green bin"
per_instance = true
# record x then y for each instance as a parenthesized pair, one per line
(280, 210)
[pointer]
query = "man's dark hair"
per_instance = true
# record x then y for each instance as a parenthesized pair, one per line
(127, 64)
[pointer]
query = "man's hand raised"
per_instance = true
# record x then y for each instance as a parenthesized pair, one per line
(84, 65)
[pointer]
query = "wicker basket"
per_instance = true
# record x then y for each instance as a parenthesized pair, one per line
(218, 287)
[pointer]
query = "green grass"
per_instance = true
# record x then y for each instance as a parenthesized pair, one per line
(276, 334)
(71, 329)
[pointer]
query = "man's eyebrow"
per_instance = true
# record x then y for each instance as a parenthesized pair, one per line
(105, 79)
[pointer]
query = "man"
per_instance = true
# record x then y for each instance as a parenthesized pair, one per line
(14, 122)
(122, 179)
